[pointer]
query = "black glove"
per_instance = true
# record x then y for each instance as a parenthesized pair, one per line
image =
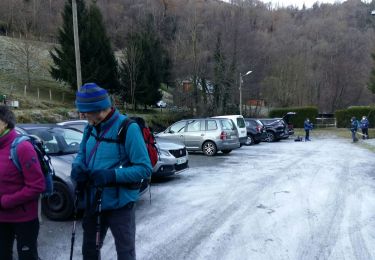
(80, 175)
(103, 177)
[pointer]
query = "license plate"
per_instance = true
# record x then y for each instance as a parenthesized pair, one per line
(181, 160)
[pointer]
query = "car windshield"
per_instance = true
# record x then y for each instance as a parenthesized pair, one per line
(58, 141)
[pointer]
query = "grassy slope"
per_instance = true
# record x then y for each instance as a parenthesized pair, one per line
(13, 77)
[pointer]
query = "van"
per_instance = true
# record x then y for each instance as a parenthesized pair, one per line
(208, 135)
(239, 122)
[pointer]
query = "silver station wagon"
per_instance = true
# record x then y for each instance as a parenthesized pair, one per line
(208, 135)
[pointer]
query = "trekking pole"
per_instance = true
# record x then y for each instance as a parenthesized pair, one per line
(98, 197)
(74, 224)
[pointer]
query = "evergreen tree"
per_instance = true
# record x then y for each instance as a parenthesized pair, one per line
(98, 63)
(152, 66)
(63, 57)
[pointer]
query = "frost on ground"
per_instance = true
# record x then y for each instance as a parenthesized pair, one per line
(284, 200)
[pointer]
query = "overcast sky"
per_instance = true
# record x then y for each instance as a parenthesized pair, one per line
(299, 3)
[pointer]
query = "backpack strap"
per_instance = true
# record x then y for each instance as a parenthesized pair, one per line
(13, 150)
(98, 141)
(124, 129)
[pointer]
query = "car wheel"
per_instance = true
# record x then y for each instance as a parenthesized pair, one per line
(270, 137)
(60, 204)
(249, 140)
(209, 148)
(226, 151)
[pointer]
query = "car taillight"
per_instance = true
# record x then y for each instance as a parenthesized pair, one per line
(223, 135)
(259, 129)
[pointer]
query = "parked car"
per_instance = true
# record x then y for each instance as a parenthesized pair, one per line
(62, 145)
(275, 129)
(76, 124)
(208, 135)
(255, 131)
(173, 157)
(278, 128)
(287, 118)
(239, 123)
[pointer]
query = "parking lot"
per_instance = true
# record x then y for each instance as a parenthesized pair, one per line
(283, 200)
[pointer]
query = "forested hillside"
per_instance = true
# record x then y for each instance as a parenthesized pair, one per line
(319, 56)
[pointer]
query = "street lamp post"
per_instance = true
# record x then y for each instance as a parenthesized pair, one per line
(240, 88)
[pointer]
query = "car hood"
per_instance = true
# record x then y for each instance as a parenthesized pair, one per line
(168, 145)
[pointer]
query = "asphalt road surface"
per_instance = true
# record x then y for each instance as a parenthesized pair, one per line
(283, 200)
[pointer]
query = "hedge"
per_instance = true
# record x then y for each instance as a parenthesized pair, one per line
(301, 114)
(343, 116)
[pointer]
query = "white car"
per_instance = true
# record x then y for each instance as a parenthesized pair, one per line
(239, 123)
(161, 104)
(173, 158)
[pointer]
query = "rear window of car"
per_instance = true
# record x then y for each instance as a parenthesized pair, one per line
(240, 122)
(227, 124)
(211, 125)
(251, 123)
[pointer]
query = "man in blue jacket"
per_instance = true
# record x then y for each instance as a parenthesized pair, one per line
(364, 126)
(108, 170)
(307, 126)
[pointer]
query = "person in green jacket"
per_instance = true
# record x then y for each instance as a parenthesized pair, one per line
(108, 170)
(354, 128)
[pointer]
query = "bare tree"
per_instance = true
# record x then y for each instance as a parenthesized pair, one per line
(25, 57)
(132, 57)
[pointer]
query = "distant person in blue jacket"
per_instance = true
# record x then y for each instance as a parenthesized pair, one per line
(307, 126)
(353, 128)
(364, 125)
(108, 170)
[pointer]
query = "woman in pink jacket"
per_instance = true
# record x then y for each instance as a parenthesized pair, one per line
(19, 193)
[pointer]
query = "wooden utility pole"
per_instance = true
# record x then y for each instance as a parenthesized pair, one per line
(76, 44)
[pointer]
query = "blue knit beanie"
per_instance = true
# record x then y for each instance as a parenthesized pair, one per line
(92, 98)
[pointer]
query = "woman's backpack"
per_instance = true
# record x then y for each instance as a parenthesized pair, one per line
(43, 157)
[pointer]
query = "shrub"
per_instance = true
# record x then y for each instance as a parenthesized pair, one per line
(343, 116)
(301, 114)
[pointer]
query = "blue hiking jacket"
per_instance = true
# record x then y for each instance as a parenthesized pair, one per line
(307, 125)
(130, 161)
(364, 123)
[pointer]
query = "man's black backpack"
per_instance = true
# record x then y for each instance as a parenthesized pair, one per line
(43, 157)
